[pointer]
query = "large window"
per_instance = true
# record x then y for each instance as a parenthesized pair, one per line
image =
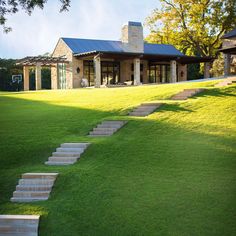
(159, 73)
(89, 72)
(110, 72)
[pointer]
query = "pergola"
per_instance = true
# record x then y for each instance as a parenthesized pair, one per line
(38, 62)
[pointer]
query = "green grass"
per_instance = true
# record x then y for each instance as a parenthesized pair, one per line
(171, 173)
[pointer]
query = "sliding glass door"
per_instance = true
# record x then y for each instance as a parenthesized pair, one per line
(159, 73)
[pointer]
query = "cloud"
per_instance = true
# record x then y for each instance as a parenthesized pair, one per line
(39, 33)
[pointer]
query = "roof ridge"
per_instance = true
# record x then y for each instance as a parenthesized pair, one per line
(107, 40)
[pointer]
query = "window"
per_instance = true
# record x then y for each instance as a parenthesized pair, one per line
(89, 72)
(110, 72)
(159, 73)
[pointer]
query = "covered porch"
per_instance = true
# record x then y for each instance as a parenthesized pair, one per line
(227, 53)
(109, 68)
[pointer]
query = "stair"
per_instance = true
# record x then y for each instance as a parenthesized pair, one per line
(226, 82)
(145, 109)
(187, 93)
(107, 128)
(19, 225)
(34, 187)
(67, 154)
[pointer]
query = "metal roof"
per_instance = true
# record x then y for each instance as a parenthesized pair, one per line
(230, 34)
(82, 46)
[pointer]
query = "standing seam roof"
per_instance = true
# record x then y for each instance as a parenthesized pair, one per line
(87, 45)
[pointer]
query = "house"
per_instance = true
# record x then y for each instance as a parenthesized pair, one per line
(76, 62)
(229, 52)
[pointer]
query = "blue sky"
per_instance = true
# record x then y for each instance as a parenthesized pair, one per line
(98, 19)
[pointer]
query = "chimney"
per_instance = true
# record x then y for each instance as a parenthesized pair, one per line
(132, 37)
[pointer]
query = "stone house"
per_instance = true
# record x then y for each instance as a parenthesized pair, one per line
(130, 61)
(229, 52)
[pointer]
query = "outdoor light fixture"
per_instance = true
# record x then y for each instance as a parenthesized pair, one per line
(78, 70)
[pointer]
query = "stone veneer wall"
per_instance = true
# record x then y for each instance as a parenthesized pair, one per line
(182, 68)
(63, 50)
(132, 38)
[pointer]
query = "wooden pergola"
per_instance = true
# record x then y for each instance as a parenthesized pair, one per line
(38, 62)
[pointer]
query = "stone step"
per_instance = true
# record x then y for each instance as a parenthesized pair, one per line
(138, 114)
(29, 194)
(144, 109)
(59, 163)
(114, 126)
(101, 132)
(75, 145)
(19, 225)
(63, 159)
(33, 188)
(66, 154)
(52, 176)
(19, 219)
(114, 122)
(28, 199)
(156, 104)
(75, 150)
(36, 182)
(105, 129)
(99, 135)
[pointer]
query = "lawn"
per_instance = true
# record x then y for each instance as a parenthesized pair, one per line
(172, 173)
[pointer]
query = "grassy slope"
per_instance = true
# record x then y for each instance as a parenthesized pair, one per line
(172, 173)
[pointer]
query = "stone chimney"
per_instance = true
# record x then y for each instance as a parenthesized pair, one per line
(132, 37)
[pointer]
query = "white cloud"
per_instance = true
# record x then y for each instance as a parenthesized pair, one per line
(101, 19)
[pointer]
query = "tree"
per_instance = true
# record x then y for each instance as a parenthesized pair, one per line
(193, 26)
(8, 7)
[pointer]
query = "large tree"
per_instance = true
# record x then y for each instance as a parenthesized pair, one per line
(8, 7)
(193, 26)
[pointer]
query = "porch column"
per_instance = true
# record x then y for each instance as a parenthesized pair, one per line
(173, 71)
(136, 71)
(227, 58)
(54, 76)
(26, 78)
(97, 64)
(206, 70)
(38, 82)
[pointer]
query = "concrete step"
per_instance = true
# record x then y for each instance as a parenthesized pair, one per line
(75, 145)
(28, 199)
(29, 194)
(156, 104)
(63, 159)
(105, 129)
(33, 188)
(59, 163)
(145, 109)
(36, 182)
(114, 126)
(19, 225)
(122, 122)
(66, 154)
(52, 176)
(75, 150)
(134, 113)
(102, 132)
(99, 135)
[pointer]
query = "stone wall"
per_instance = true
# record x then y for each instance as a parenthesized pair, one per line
(62, 49)
(132, 38)
(182, 72)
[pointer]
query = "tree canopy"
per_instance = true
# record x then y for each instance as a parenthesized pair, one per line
(193, 26)
(8, 7)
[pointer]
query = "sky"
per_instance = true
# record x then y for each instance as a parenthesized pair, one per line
(94, 19)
